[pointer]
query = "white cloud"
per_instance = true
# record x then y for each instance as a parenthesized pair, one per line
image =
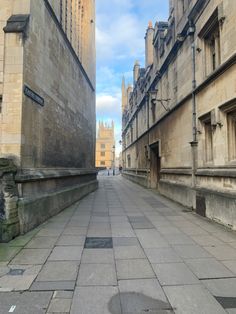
(120, 31)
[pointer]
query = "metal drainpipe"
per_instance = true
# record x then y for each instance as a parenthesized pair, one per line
(148, 165)
(194, 143)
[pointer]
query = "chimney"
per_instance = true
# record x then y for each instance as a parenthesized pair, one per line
(149, 45)
(136, 72)
(124, 95)
(129, 91)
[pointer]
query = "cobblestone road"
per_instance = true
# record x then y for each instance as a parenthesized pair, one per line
(122, 249)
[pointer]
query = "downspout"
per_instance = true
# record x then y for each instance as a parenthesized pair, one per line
(194, 143)
(147, 153)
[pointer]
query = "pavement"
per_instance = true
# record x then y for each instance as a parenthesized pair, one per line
(122, 249)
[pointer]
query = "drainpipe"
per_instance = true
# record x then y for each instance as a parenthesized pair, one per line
(194, 143)
(148, 165)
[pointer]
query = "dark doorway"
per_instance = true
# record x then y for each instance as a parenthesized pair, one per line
(155, 165)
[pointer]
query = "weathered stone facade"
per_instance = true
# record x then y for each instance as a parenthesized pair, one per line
(179, 126)
(47, 96)
(105, 146)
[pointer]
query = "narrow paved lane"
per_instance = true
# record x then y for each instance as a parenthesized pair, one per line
(122, 249)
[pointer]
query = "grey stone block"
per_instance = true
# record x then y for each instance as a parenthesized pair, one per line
(59, 306)
(98, 256)
(134, 269)
(208, 268)
(97, 275)
(125, 241)
(59, 271)
(196, 300)
(129, 252)
(162, 255)
(66, 253)
(42, 243)
(191, 251)
(174, 274)
(71, 240)
(52, 285)
(27, 302)
(31, 256)
(100, 302)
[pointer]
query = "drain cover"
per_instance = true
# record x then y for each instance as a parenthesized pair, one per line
(227, 302)
(16, 272)
(98, 243)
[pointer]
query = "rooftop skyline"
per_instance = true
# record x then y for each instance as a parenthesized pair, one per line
(120, 31)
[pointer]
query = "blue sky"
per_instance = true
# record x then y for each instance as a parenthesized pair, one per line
(120, 31)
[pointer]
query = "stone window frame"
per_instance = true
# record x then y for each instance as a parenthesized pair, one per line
(102, 163)
(129, 161)
(103, 146)
(210, 34)
(208, 132)
(229, 111)
(103, 154)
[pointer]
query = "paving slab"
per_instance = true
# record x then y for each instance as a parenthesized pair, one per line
(134, 269)
(79, 231)
(191, 251)
(52, 285)
(7, 252)
(49, 232)
(169, 230)
(66, 253)
(125, 241)
(59, 306)
(71, 240)
(42, 243)
(231, 265)
(221, 287)
(118, 232)
(129, 252)
(180, 239)
(63, 294)
(59, 271)
(104, 300)
(31, 257)
(208, 268)
(151, 239)
(98, 256)
(19, 278)
(192, 299)
(162, 255)
(222, 252)
(174, 274)
(142, 295)
(97, 275)
(24, 303)
(142, 225)
(206, 240)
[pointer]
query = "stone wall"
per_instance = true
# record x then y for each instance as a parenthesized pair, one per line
(197, 171)
(48, 113)
(9, 220)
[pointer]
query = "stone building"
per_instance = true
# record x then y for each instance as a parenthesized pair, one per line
(105, 145)
(179, 120)
(47, 117)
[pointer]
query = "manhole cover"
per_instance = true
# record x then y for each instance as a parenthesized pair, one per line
(16, 272)
(98, 243)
